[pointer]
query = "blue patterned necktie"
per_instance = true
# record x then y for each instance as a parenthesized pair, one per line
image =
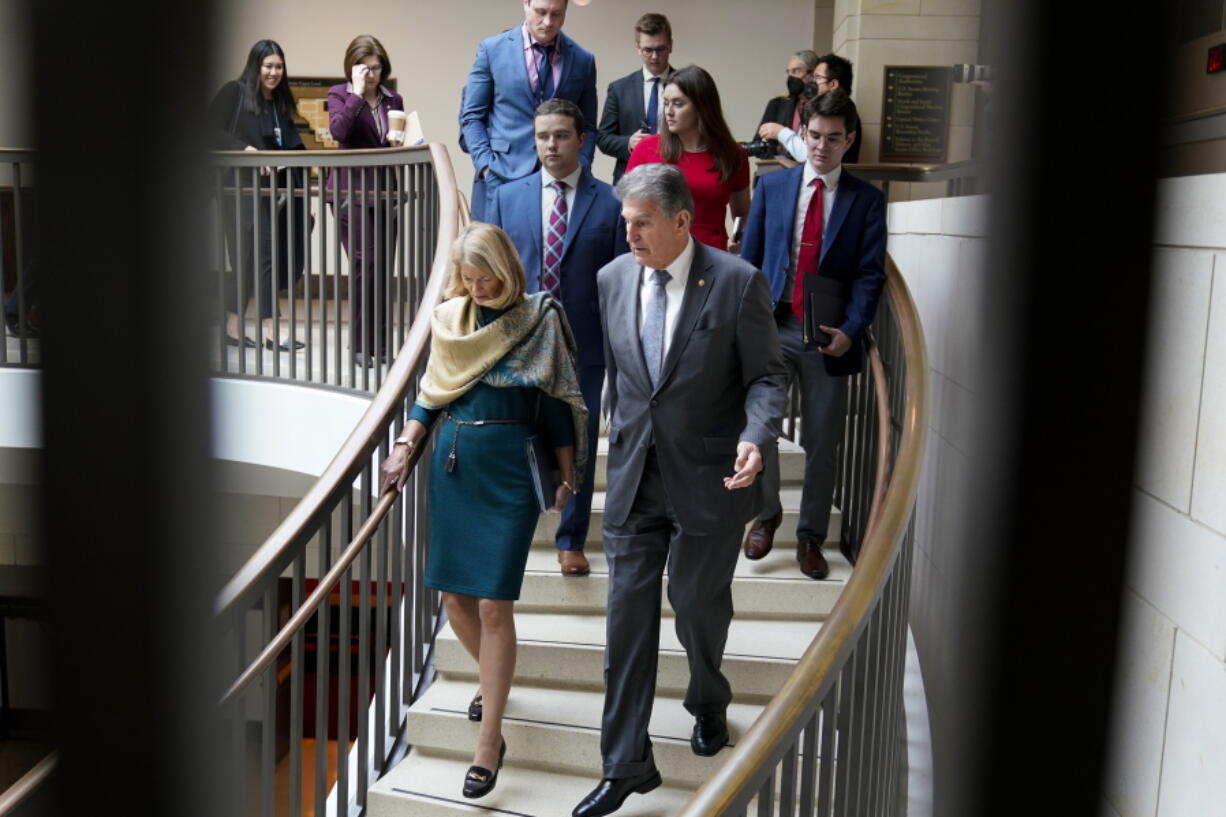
(544, 72)
(555, 240)
(652, 337)
(653, 107)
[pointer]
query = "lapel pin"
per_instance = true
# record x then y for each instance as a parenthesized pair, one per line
(702, 282)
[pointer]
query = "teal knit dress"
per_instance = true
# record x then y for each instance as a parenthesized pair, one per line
(483, 511)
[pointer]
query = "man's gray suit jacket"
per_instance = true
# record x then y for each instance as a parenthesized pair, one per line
(722, 381)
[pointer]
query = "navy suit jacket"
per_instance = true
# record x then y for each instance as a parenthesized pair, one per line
(496, 117)
(623, 115)
(595, 235)
(853, 249)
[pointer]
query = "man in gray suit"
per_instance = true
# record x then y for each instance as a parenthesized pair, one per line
(634, 104)
(696, 394)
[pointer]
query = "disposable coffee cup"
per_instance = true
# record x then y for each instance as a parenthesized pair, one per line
(395, 125)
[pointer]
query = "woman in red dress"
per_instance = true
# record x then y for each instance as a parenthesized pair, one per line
(698, 141)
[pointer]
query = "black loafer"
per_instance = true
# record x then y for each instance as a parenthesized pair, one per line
(286, 345)
(710, 733)
(475, 708)
(246, 342)
(480, 781)
(608, 797)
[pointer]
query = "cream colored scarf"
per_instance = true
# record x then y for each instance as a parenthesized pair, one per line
(530, 345)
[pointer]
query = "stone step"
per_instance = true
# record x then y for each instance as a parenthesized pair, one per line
(791, 463)
(567, 651)
(770, 588)
(559, 729)
(789, 497)
(427, 784)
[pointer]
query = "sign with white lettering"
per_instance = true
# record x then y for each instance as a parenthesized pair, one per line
(915, 113)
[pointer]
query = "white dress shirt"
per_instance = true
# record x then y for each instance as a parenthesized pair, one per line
(674, 291)
(647, 78)
(802, 207)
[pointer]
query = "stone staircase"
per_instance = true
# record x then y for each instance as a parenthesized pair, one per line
(552, 725)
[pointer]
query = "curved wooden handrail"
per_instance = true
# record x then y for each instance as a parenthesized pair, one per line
(27, 784)
(818, 668)
(277, 551)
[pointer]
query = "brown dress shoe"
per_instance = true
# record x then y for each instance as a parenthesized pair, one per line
(574, 563)
(812, 562)
(761, 536)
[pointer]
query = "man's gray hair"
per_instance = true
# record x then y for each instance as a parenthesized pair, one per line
(661, 183)
(809, 58)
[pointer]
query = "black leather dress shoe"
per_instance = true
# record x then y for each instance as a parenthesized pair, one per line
(480, 781)
(608, 797)
(246, 342)
(475, 708)
(710, 733)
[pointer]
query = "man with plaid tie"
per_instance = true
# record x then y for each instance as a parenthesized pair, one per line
(566, 225)
(817, 220)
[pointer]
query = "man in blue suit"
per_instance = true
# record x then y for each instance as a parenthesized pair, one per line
(817, 219)
(514, 72)
(566, 225)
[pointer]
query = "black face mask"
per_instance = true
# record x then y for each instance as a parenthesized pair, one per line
(798, 88)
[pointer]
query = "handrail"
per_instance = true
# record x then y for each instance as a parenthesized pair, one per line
(749, 764)
(27, 784)
(273, 556)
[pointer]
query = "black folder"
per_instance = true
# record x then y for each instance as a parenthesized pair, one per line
(544, 467)
(825, 303)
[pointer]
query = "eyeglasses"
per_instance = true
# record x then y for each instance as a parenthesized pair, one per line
(375, 69)
(658, 51)
(820, 78)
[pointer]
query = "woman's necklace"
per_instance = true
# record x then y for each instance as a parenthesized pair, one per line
(374, 112)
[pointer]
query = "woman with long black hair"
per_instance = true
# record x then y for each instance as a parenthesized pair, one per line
(256, 112)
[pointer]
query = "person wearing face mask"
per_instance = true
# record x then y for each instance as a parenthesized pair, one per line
(808, 76)
(357, 119)
(256, 112)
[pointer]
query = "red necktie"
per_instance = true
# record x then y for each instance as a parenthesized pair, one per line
(796, 117)
(810, 249)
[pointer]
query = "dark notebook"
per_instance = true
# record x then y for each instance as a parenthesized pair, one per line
(544, 468)
(825, 303)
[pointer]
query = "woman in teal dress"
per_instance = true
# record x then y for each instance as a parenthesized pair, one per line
(501, 369)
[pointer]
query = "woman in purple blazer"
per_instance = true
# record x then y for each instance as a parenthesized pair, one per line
(357, 118)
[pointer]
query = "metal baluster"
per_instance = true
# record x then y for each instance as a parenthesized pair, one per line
(292, 281)
(23, 316)
(873, 692)
(322, 282)
(297, 673)
(846, 722)
(382, 605)
(808, 766)
(338, 206)
(274, 279)
(859, 733)
(361, 273)
(344, 657)
(323, 674)
(238, 737)
(787, 782)
(766, 797)
(255, 271)
(375, 270)
(363, 696)
(268, 734)
(397, 607)
(220, 210)
(825, 786)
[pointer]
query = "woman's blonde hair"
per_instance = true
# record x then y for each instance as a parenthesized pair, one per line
(488, 250)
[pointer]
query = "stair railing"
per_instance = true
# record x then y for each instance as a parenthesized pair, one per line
(17, 273)
(378, 573)
(831, 742)
(15, 799)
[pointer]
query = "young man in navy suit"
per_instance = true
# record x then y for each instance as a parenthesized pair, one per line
(566, 225)
(513, 73)
(817, 219)
(634, 104)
